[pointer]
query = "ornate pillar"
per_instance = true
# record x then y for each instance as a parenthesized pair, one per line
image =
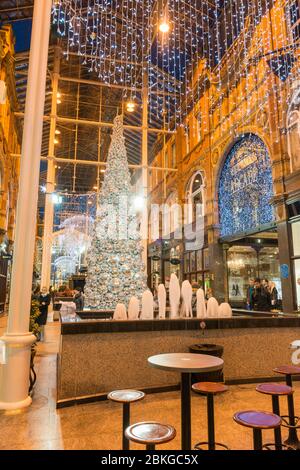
(14, 373)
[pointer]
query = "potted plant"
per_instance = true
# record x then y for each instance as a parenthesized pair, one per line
(35, 328)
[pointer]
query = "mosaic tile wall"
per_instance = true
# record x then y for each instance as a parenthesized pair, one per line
(245, 187)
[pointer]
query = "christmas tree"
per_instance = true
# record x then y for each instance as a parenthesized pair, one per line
(114, 260)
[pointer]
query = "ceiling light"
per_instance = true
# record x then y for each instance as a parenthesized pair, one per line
(58, 101)
(57, 132)
(58, 94)
(56, 141)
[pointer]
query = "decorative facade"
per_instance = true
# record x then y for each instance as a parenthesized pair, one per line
(263, 106)
(10, 138)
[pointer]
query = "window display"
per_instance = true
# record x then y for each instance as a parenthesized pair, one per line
(296, 252)
(242, 266)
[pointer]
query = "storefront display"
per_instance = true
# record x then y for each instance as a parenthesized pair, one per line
(245, 263)
(295, 227)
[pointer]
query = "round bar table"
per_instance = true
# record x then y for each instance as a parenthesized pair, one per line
(186, 364)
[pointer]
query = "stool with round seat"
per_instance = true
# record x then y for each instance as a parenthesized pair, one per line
(126, 397)
(291, 421)
(210, 389)
(257, 421)
(150, 433)
(275, 391)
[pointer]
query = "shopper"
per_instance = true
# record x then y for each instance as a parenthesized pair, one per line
(44, 301)
(79, 300)
(261, 297)
(250, 291)
(274, 295)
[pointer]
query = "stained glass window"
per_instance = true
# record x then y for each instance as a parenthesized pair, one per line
(246, 187)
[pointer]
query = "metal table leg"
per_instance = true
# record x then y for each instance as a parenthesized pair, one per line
(186, 411)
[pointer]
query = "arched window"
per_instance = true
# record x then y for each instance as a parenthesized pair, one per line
(195, 197)
(246, 188)
(171, 214)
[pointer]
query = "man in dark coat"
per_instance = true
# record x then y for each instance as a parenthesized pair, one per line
(261, 297)
(44, 300)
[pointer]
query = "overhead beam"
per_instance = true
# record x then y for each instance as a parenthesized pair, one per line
(85, 122)
(105, 85)
(72, 161)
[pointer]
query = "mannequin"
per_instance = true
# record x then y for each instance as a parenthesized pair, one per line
(174, 295)
(133, 308)
(186, 294)
(201, 306)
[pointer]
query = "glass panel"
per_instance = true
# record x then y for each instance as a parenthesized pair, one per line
(200, 280)
(296, 237)
(187, 263)
(297, 281)
(199, 260)
(193, 261)
(269, 267)
(197, 183)
(205, 259)
(242, 266)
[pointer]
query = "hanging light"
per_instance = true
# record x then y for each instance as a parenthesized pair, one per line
(56, 141)
(58, 101)
(130, 106)
(57, 132)
(164, 26)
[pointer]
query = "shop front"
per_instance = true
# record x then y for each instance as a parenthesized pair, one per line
(248, 230)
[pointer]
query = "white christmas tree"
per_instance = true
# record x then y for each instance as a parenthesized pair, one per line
(114, 260)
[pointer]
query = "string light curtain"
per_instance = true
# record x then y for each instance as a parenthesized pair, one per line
(184, 47)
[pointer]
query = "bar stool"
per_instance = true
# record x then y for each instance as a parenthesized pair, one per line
(275, 390)
(150, 433)
(126, 397)
(210, 389)
(291, 421)
(257, 421)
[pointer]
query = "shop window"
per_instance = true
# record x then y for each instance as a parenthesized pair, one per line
(195, 198)
(246, 188)
(297, 281)
(242, 266)
(171, 215)
(296, 259)
(268, 267)
(296, 238)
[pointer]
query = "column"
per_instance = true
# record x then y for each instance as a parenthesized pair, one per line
(14, 374)
(285, 250)
(50, 184)
(144, 224)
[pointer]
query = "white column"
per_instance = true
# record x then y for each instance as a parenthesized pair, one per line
(50, 184)
(144, 224)
(14, 374)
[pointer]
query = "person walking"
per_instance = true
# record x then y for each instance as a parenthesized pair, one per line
(44, 302)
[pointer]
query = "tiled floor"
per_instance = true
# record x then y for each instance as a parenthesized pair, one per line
(98, 425)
